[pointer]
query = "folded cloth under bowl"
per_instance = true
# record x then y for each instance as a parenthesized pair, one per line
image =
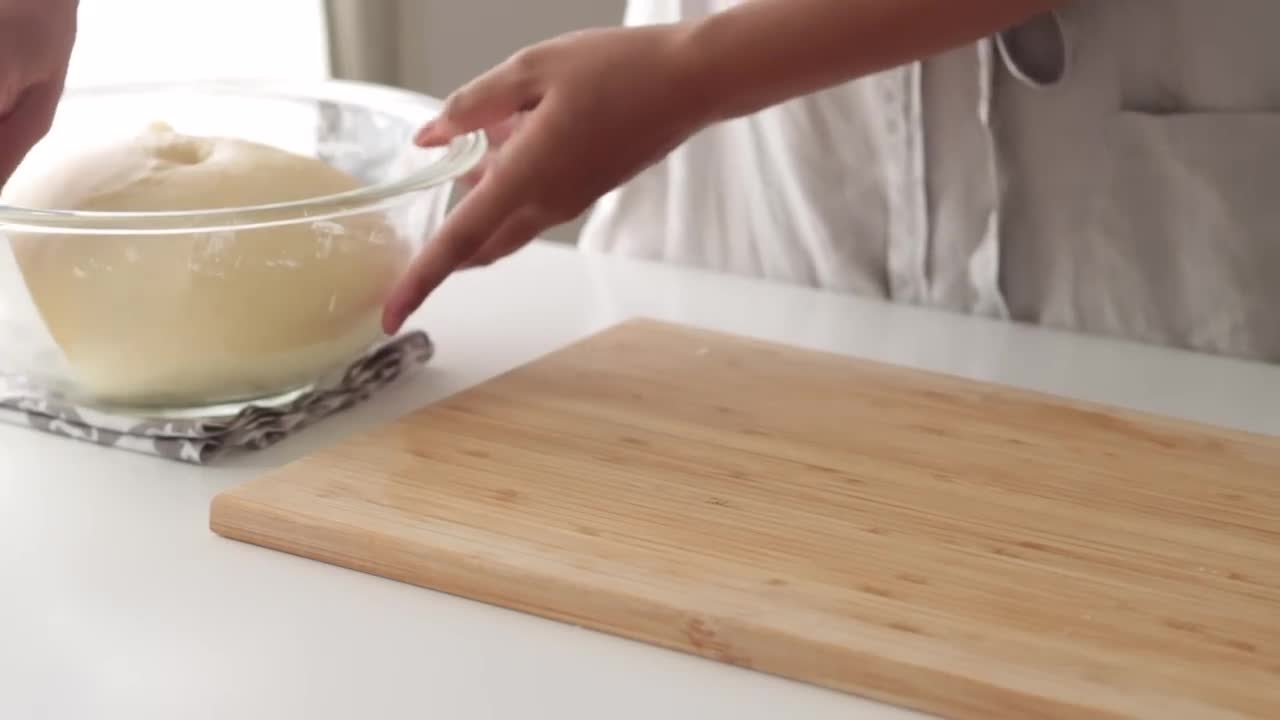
(199, 440)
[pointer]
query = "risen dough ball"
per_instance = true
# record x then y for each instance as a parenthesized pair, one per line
(190, 319)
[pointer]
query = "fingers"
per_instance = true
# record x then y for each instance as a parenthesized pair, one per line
(487, 101)
(10, 93)
(443, 258)
(506, 209)
(475, 219)
(25, 124)
(477, 173)
(501, 213)
(498, 136)
(500, 133)
(515, 233)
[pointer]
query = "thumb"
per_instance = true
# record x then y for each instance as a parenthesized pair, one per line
(25, 124)
(490, 99)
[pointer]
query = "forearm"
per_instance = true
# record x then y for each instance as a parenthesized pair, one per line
(764, 52)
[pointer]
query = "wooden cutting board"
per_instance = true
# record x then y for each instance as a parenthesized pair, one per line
(964, 549)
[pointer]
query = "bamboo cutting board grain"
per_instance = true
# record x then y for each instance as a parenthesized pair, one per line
(964, 549)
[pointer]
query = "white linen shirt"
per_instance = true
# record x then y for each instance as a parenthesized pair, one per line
(1102, 168)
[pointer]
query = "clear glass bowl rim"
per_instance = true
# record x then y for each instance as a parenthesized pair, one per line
(464, 153)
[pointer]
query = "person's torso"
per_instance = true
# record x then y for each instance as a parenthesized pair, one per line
(1105, 169)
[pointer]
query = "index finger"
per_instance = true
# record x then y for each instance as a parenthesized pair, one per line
(507, 188)
(24, 125)
(473, 221)
(496, 96)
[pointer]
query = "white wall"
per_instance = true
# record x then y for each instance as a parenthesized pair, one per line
(463, 38)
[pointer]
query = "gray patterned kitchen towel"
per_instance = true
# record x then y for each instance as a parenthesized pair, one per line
(200, 440)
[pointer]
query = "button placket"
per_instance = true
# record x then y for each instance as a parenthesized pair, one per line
(984, 262)
(904, 134)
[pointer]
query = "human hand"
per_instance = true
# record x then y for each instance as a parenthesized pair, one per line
(36, 39)
(574, 117)
(497, 136)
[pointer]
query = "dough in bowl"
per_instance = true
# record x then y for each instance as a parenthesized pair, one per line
(205, 317)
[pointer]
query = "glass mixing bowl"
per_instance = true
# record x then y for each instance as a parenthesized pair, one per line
(170, 312)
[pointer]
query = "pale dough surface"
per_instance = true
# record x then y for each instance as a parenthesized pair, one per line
(191, 319)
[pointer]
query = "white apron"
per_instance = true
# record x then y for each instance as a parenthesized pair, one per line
(1135, 146)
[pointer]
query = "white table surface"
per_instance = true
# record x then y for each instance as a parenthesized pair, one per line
(117, 602)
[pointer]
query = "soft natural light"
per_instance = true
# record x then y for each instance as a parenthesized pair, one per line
(140, 40)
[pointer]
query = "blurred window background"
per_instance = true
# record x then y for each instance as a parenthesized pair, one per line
(426, 45)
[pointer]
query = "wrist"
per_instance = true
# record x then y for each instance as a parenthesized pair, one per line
(688, 88)
(734, 62)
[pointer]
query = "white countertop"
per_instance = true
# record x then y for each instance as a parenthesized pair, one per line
(118, 603)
